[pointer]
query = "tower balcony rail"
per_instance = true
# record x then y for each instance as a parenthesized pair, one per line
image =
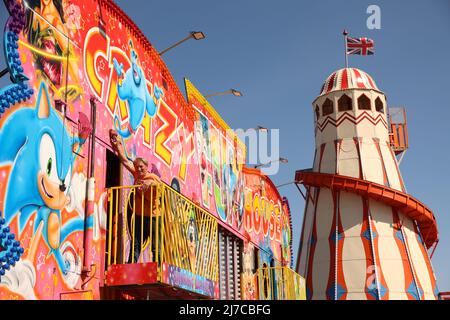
(398, 130)
(280, 283)
(405, 203)
(161, 237)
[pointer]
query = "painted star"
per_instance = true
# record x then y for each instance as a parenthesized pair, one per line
(41, 262)
(93, 253)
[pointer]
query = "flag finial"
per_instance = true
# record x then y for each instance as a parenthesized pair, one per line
(345, 32)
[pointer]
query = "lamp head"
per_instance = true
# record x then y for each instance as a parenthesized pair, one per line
(260, 128)
(198, 35)
(236, 93)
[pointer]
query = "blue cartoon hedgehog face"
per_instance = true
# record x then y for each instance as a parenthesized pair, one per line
(54, 156)
(53, 173)
(35, 141)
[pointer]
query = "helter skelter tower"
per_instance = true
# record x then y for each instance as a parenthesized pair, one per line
(363, 236)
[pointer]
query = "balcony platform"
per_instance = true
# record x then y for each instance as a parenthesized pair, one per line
(130, 274)
(140, 281)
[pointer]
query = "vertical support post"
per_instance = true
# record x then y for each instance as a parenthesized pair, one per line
(90, 185)
(345, 33)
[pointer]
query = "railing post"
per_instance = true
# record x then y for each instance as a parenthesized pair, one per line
(110, 203)
(116, 216)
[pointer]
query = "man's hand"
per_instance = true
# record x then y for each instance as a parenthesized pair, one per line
(113, 138)
(143, 188)
(143, 185)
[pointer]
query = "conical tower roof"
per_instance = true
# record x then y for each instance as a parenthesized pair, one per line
(348, 78)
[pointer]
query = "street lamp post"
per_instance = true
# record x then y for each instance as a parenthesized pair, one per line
(282, 160)
(197, 35)
(234, 92)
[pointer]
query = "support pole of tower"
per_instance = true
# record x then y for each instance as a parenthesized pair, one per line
(345, 33)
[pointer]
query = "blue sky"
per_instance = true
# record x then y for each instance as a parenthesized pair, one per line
(278, 53)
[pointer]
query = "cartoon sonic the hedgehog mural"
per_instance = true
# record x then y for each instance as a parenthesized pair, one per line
(35, 142)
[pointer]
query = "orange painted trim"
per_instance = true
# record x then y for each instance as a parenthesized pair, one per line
(401, 201)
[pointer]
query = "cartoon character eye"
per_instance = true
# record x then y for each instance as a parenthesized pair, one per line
(47, 158)
(49, 166)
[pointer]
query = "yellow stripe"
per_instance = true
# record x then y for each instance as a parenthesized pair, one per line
(192, 91)
(46, 54)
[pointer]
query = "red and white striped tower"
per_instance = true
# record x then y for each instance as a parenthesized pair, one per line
(363, 236)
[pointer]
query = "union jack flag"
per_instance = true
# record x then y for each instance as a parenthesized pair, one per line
(362, 46)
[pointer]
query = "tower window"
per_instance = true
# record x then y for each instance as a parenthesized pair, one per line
(327, 107)
(345, 103)
(317, 112)
(363, 102)
(379, 105)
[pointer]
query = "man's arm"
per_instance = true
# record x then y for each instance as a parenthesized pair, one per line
(119, 148)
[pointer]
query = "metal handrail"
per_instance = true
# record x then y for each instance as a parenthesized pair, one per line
(173, 230)
(280, 283)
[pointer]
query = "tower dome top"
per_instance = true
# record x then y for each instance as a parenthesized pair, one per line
(348, 78)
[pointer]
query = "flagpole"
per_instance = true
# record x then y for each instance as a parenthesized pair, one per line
(345, 33)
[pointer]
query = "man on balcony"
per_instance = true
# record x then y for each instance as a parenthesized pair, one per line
(145, 210)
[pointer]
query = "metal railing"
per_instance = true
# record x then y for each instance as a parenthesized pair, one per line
(398, 129)
(280, 283)
(161, 225)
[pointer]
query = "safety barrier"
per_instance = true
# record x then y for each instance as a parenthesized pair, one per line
(398, 130)
(280, 283)
(162, 226)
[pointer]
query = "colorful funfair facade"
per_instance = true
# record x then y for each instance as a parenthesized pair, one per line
(71, 227)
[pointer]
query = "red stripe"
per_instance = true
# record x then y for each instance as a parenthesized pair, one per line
(332, 248)
(427, 260)
(312, 249)
(340, 248)
(344, 81)
(407, 268)
(358, 141)
(367, 245)
(355, 120)
(411, 261)
(381, 279)
(372, 83)
(331, 82)
(385, 176)
(322, 149)
(337, 146)
(360, 83)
